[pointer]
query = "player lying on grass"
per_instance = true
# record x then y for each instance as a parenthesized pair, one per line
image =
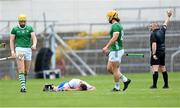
(72, 85)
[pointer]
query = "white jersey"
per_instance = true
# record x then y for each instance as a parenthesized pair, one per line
(75, 83)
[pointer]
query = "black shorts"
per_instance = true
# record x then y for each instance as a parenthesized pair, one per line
(160, 60)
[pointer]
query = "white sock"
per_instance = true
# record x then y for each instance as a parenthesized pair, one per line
(123, 78)
(117, 86)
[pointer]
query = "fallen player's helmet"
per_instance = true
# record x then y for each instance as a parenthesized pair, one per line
(48, 87)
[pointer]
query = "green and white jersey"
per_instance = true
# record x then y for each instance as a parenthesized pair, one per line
(118, 45)
(22, 36)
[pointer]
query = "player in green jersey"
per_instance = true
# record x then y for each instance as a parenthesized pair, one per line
(115, 46)
(22, 42)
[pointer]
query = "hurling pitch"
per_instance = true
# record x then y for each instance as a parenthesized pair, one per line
(138, 94)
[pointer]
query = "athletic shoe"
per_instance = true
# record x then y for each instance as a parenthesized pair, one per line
(115, 90)
(165, 87)
(126, 84)
(23, 90)
(153, 87)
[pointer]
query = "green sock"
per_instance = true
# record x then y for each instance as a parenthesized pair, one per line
(123, 78)
(25, 76)
(22, 80)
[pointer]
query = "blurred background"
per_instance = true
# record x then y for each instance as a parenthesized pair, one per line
(71, 34)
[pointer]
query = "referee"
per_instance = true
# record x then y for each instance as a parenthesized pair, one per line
(157, 44)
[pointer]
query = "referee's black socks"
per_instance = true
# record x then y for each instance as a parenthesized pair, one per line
(155, 78)
(165, 77)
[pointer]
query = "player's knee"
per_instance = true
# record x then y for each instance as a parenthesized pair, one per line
(155, 68)
(163, 68)
(109, 69)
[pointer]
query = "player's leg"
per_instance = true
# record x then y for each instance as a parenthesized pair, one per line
(164, 71)
(165, 76)
(21, 71)
(123, 78)
(21, 67)
(155, 76)
(111, 68)
(116, 75)
(155, 67)
(28, 57)
(27, 67)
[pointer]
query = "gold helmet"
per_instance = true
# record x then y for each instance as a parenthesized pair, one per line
(22, 17)
(112, 14)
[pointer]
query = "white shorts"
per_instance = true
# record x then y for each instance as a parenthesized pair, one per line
(115, 56)
(27, 52)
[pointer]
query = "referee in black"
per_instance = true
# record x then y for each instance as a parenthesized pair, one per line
(157, 44)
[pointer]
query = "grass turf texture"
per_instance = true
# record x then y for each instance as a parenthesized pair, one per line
(138, 93)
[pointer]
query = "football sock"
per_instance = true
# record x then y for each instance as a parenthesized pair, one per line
(155, 78)
(22, 80)
(123, 78)
(117, 86)
(25, 76)
(165, 77)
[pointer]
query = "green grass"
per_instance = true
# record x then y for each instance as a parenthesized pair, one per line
(138, 94)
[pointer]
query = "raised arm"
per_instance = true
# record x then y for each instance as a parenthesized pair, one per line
(169, 14)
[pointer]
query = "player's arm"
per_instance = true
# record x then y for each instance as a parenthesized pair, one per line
(70, 89)
(92, 88)
(154, 46)
(34, 40)
(89, 87)
(113, 39)
(12, 47)
(110, 42)
(169, 14)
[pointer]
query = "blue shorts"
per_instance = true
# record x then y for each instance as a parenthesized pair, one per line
(61, 86)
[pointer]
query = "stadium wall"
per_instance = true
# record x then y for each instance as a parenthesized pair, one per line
(78, 11)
